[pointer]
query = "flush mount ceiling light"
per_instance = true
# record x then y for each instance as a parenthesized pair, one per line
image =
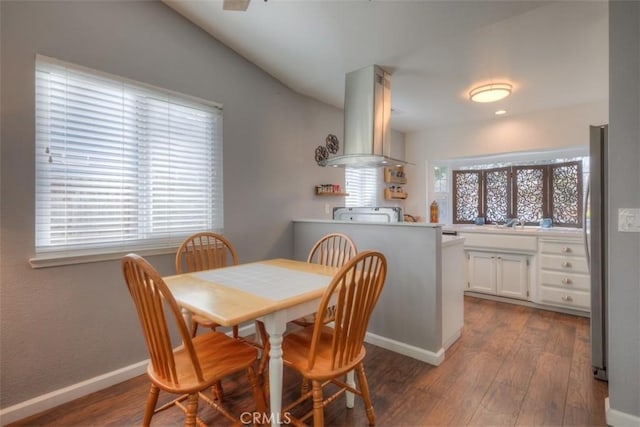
(490, 93)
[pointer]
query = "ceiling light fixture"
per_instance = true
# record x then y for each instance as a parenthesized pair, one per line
(501, 112)
(490, 93)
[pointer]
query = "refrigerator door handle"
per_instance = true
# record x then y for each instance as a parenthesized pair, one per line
(585, 228)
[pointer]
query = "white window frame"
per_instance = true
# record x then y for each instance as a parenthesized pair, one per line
(149, 158)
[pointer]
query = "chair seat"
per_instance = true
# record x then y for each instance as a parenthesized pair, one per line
(306, 320)
(219, 355)
(295, 354)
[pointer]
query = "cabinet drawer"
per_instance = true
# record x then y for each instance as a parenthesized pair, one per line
(565, 281)
(562, 248)
(500, 242)
(566, 298)
(564, 263)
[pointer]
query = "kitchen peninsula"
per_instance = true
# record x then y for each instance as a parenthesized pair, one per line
(420, 311)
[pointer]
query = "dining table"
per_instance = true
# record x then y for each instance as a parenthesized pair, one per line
(274, 291)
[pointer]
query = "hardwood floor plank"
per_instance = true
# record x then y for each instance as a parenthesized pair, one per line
(499, 407)
(561, 339)
(584, 390)
(513, 365)
(545, 399)
(518, 367)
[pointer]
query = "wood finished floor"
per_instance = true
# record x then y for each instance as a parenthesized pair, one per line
(513, 366)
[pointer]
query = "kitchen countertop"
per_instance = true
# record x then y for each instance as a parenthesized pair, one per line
(395, 224)
(447, 240)
(524, 231)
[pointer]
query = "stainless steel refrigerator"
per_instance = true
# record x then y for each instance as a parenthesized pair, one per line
(595, 226)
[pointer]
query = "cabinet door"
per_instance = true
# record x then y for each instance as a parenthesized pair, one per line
(482, 272)
(512, 275)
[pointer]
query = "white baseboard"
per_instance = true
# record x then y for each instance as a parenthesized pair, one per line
(67, 394)
(58, 397)
(406, 349)
(619, 419)
(528, 304)
(453, 338)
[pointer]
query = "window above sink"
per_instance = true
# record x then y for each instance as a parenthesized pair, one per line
(525, 187)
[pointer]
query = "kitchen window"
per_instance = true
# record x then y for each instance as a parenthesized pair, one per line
(121, 165)
(362, 184)
(528, 193)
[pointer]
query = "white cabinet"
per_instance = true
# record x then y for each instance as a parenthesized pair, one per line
(564, 274)
(481, 270)
(545, 267)
(498, 273)
(513, 276)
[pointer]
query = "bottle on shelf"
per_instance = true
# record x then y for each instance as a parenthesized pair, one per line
(433, 212)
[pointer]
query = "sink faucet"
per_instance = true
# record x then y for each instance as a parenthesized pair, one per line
(514, 222)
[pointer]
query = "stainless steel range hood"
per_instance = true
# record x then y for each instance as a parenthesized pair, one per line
(367, 118)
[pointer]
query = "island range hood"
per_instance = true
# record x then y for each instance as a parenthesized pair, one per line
(367, 118)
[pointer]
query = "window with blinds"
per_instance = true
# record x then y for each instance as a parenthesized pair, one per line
(362, 186)
(122, 165)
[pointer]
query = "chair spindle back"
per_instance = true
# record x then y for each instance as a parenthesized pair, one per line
(334, 250)
(357, 287)
(153, 300)
(205, 251)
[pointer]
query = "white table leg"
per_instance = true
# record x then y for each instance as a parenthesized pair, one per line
(350, 396)
(275, 324)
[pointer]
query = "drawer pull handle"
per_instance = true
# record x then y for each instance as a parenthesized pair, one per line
(567, 298)
(566, 264)
(567, 281)
(566, 249)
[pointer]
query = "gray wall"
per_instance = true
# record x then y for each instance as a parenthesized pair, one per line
(409, 310)
(624, 182)
(66, 324)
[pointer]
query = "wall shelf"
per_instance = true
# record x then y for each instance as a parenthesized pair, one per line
(331, 194)
(330, 190)
(394, 175)
(393, 195)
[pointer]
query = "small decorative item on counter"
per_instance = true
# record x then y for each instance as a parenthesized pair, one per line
(433, 212)
(479, 220)
(546, 223)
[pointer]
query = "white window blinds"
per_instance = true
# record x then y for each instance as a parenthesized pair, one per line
(362, 186)
(121, 165)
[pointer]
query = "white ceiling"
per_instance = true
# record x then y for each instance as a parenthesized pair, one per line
(555, 53)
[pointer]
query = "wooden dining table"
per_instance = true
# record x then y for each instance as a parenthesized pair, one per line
(274, 291)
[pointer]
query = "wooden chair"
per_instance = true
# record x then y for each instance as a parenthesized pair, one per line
(194, 366)
(322, 353)
(334, 250)
(205, 251)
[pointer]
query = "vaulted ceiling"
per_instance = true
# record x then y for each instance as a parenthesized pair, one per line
(554, 53)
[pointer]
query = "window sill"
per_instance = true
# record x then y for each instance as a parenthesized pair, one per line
(45, 260)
